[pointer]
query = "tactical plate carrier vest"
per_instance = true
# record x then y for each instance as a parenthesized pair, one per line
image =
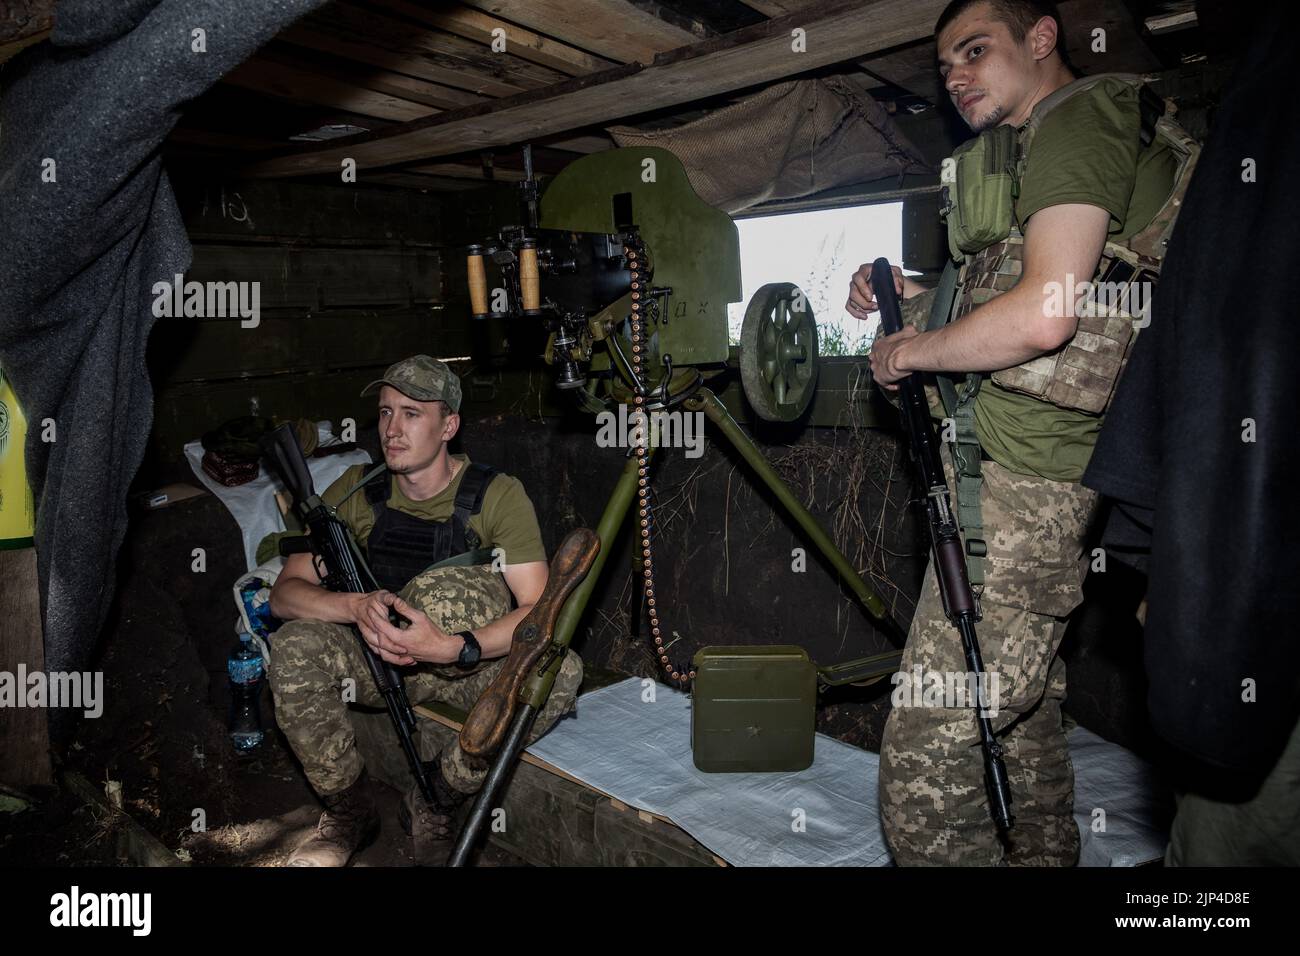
(400, 546)
(985, 237)
(984, 234)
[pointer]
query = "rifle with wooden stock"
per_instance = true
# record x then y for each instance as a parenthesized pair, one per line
(945, 542)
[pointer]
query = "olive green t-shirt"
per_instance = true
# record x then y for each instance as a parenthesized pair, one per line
(507, 519)
(1087, 150)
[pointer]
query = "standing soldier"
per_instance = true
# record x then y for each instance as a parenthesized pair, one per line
(1068, 180)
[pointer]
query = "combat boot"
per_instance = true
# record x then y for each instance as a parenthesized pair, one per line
(350, 823)
(431, 827)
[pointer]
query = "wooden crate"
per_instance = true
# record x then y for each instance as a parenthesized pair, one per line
(551, 818)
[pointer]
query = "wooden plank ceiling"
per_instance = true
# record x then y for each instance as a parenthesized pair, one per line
(368, 66)
(425, 102)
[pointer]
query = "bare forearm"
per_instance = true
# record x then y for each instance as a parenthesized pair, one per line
(295, 598)
(1002, 333)
(495, 638)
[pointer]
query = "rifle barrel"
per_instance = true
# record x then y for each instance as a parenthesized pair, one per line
(946, 545)
(346, 571)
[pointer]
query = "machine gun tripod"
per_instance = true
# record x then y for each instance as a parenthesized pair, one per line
(630, 273)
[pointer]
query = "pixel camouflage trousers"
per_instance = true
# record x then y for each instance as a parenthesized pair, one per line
(934, 806)
(310, 661)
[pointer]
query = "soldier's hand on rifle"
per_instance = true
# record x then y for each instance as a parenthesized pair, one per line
(366, 609)
(886, 368)
(421, 641)
(862, 301)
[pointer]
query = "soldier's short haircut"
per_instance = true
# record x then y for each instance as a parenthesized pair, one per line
(1018, 15)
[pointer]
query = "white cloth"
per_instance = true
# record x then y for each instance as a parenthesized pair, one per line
(266, 575)
(828, 815)
(253, 504)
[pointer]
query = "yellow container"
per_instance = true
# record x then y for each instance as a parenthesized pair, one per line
(17, 512)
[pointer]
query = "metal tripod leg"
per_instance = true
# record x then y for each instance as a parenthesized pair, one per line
(538, 687)
(704, 400)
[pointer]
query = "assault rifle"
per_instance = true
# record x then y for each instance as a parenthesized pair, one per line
(342, 567)
(945, 542)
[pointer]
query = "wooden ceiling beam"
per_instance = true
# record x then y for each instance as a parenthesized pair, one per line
(440, 184)
(837, 32)
(458, 62)
(273, 77)
(615, 29)
(914, 68)
(451, 83)
(1126, 51)
(865, 80)
(778, 8)
(681, 19)
(911, 68)
(231, 109)
(500, 174)
(579, 144)
(376, 77)
(475, 25)
(505, 165)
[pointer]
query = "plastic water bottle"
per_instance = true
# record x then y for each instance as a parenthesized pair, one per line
(247, 674)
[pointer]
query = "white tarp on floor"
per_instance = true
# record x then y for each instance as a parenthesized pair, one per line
(640, 753)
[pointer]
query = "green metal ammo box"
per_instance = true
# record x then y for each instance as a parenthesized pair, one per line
(753, 709)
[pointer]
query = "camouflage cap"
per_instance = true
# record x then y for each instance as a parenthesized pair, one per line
(422, 378)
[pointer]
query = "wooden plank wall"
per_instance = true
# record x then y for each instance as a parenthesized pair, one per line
(350, 280)
(24, 731)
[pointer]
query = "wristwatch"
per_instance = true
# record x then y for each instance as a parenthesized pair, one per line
(471, 652)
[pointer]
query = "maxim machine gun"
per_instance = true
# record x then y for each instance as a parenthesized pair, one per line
(625, 275)
(630, 273)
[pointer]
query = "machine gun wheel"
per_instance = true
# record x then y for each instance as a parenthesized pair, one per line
(778, 352)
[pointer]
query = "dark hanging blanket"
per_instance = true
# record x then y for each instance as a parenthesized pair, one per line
(1200, 449)
(79, 256)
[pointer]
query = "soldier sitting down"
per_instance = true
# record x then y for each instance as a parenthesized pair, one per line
(423, 507)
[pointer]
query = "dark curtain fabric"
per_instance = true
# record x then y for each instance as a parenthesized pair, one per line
(82, 241)
(1216, 369)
